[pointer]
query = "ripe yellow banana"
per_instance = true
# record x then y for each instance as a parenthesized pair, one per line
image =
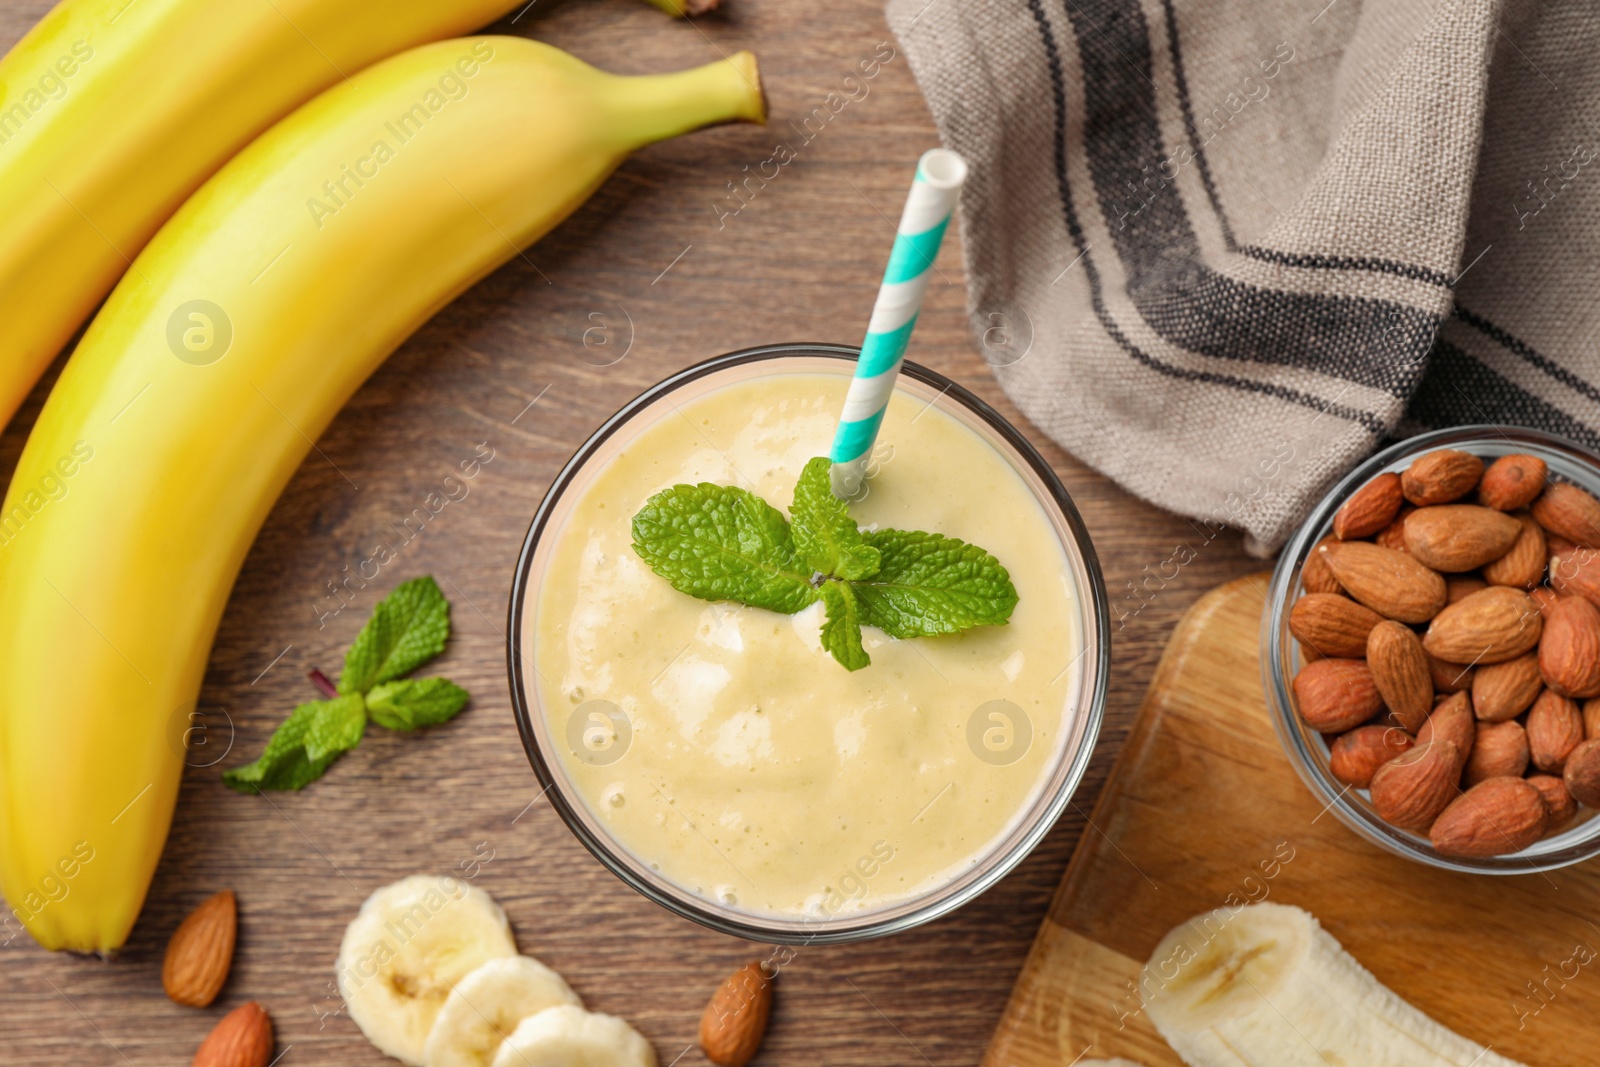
(112, 112)
(225, 351)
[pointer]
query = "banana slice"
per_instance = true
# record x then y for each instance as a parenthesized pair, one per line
(487, 1005)
(407, 948)
(568, 1036)
(1266, 986)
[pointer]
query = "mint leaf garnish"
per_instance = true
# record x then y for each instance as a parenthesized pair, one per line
(414, 702)
(841, 633)
(825, 536)
(310, 739)
(929, 584)
(719, 542)
(407, 629)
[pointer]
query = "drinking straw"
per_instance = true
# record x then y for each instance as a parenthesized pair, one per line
(940, 174)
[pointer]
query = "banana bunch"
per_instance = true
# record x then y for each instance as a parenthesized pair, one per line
(234, 339)
(1267, 986)
(430, 973)
(111, 113)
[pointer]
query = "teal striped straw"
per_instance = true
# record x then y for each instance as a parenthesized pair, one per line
(940, 174)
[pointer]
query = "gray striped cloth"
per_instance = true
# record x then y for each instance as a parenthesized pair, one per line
(1223, 249)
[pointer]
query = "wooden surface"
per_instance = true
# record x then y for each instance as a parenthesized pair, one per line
(1203, 810)
(799, 262)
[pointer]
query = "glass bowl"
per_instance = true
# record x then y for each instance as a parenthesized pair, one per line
(1061, 771)
(1280, 655)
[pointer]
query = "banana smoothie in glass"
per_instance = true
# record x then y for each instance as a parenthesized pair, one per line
(717, 755)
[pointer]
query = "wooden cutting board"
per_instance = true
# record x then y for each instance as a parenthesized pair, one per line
(1203, 809)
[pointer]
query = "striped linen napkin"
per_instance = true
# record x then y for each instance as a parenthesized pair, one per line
(1222, 249)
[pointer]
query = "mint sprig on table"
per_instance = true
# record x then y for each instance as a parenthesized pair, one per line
(720, 542)
(408, 628)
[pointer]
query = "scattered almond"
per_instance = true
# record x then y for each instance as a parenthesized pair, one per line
(1557, 800)
(1449, 677)
(1511, 482)
(1389, 582)
(201, 951)
(1558, 545)
(734, 1022)
(1500, 749)
(1591, 719)
(1542, 597)
(1571, 512)
(1451, 721)
(1492, 818)
(1569, 649)
(1582, 773)
(1523, 564)
(1555, 728)
(1490, 626)
(242, 1039)
(1460, 586)
(1316, 575)
(1369, 509)
(1354, 757)
(1333, 625)
(1335, 695)
(1440, 477)
(1460, 537)
(1412, 789)
(1502, 691)
(1399, 669)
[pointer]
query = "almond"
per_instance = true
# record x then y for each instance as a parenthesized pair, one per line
(1576, 572)
(1440, 477)
(1333, 625)
(201, 951)
(1490, 626)
(1354, 757)
(1451, 721)
(1558, 545)
(1316, 576)
(1449, 677)
(1335, 695)
(1394, 535)
(1369, 509)
(1555, 728)
(1582, 773)
(1399, 669)
(734, 1022)
(1542, 597)
(1569, 649)
(1460, 586)
(1500, 749)
(1389, 582)
(242, 1039)
(1493, 818)
(1571, 512)
(1503, 691)
(1591, 719)
(1523, 564)
(1511, 482)
(1557, 800)
(1460, 537)
(1412, 789)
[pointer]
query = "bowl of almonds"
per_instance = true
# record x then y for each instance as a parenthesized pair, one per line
(1432, 651)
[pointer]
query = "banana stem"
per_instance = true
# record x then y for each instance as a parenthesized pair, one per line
(684, 8)
(655, 107)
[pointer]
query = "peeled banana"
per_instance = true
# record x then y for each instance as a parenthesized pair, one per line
(571, 1037)
(111, 113)
(1267, 986)
(233, 341)
(486, 1006)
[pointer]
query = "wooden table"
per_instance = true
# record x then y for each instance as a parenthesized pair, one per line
(507, 364)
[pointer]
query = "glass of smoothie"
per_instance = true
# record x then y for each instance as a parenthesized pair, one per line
(714, 756)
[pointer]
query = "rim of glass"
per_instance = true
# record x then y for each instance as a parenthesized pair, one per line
(917, 911)
(1306, 751)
